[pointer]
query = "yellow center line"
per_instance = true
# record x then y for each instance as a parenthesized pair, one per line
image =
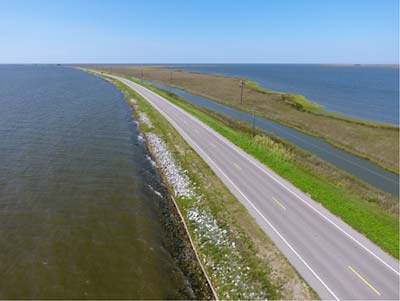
(364, 280)
(279, 203)
(237, 166)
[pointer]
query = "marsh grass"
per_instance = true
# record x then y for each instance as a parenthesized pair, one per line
(376, 142)
(299, 102)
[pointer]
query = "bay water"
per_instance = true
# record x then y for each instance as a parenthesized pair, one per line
(79, 216)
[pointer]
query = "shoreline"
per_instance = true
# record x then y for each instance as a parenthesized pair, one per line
(143, 120)
(184, 253)
(253, 85)
(202, 290)
(316, 108)
(356, 136)
(319, 109)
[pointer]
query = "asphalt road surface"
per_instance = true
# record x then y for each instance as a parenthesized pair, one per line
(337, 261)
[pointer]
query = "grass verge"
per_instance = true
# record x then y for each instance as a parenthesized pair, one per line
(376, 219)
(239, 258)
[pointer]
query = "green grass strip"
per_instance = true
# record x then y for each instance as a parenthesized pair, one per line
(367, 218)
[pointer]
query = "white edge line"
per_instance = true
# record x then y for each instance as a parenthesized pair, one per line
(255, 208)
(244, 196)
(262, 168)
(249, 158)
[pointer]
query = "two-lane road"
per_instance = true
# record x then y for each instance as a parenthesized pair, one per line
(335, 260)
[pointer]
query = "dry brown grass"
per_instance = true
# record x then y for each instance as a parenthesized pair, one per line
(378, 143)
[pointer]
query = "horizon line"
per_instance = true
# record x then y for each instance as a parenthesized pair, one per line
(191, 63)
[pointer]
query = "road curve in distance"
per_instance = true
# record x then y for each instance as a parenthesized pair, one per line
(337, 261)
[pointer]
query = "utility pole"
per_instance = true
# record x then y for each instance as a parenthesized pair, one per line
(253, 128)
(170, 81)
(241, 84)
(141, 74)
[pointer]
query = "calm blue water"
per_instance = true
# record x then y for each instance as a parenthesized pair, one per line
(78, 219)
(358, 167)
(367, 92)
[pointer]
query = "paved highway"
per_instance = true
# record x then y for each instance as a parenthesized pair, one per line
(338, 262)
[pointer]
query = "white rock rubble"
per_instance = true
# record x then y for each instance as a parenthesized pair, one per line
(144, 119)
(175, 176)
(209, 235)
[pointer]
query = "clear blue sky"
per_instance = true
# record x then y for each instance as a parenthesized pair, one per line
(199, 31)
